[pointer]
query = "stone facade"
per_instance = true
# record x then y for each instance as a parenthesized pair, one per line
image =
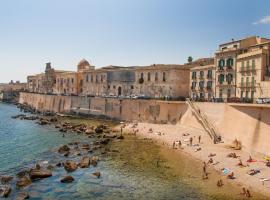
(202, 81)
(154, 81)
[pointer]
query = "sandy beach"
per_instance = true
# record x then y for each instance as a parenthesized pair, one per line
(167, 134)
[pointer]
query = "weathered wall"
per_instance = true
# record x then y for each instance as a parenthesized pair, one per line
(125, 109)
(248, 123)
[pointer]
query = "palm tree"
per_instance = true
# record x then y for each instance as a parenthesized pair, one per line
(190, 59)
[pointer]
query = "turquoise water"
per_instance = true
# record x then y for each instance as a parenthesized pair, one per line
(22, 142)
(129, 174)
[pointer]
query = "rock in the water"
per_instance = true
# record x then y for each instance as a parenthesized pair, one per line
(5, 191)
(89, 132)
(97, 174)
(99, 129)
(63, 149)
(22, 173)
(67, 179)
(70, 166)
(39, 173)
(85, 162)
(23, 181)
(94, 161)
(105, 141)
(121, 137)
(6, 179)
(22, 196)
(86, 146)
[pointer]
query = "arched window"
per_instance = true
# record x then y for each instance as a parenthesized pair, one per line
(156, 76)
(221, 78)
(149, 76)
(221, 63)
(141, 75)
(164, 76)
(230, 62)
(229, 78)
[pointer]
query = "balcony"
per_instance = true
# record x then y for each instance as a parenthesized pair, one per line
(220, 69)
(194, 77)
(201, 77)
(225, 84)
(247, 85)
(209, 87)
(193, 88)
(229, 68)
(248, 69)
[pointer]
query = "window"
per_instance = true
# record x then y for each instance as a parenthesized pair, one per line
(87, 78)
(252, 81)
(242, 66)
(96, 78)
(253, 65)
(193, 75)
(201, 74)
(221, 64)
(228, 93)
(101, 78)
(109, 86)
(81, 82)
(246, 94)
(248, 65)
(141, 75)
(230, 63)
(92, 78)
(193, 85)
(156, 76)
(209, 73)
(221, 78)
(252, 94)
(72, 80)
(132, 87)
(114, 87)
(220, 93)
(229, 78)
(164, 77)
(242, 94)
(149, 76)
(209, 84)
(201, 84)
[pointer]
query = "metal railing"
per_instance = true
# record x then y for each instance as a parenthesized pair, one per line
(209, 127)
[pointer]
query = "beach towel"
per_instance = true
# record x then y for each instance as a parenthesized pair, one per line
(226, 171)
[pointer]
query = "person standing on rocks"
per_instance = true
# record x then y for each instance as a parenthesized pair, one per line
(199, 138)
(190, 141)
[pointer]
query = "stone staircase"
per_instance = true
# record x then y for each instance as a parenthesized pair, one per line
(202, 118)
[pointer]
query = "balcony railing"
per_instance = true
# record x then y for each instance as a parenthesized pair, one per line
(194, 77)
(247, 85)
(248, 69)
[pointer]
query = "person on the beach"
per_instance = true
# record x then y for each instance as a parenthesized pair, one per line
(210, 161)
(244, 191)
(231, 176)
(248, 194)
(179, 144)
(190, 141)
(199, 138)
(220, 183)
(173, 144)
(250, 159)
(204, 168)
(240, 163)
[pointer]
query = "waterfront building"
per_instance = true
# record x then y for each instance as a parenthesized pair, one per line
(154, 81)
(226, 69)
(253, 72)
(202, 80)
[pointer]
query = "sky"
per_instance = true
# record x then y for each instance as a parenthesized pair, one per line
(120, 32)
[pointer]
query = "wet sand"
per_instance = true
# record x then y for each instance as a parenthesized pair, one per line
(167, 134)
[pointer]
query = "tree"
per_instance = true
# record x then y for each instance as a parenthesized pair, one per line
(190, 59)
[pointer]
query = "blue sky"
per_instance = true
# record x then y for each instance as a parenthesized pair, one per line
(120, 32)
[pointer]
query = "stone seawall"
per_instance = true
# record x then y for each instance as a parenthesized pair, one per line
(248, 123)
(153, 111)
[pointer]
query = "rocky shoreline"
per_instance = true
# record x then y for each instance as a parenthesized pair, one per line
(74, 155)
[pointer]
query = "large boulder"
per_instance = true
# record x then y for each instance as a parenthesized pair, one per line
(22, 196)
(94, 160)
(63, 149)
(5, 191)
(85, 162)
(23, 181)
(70, 166)
(5, 179)
(97, 174)
(67, 179)
(99, 129)
(39, 173)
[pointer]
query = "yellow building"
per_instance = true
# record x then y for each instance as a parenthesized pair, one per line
(253, 72)
(226, 69)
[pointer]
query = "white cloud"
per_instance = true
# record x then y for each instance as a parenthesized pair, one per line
(264, 20)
